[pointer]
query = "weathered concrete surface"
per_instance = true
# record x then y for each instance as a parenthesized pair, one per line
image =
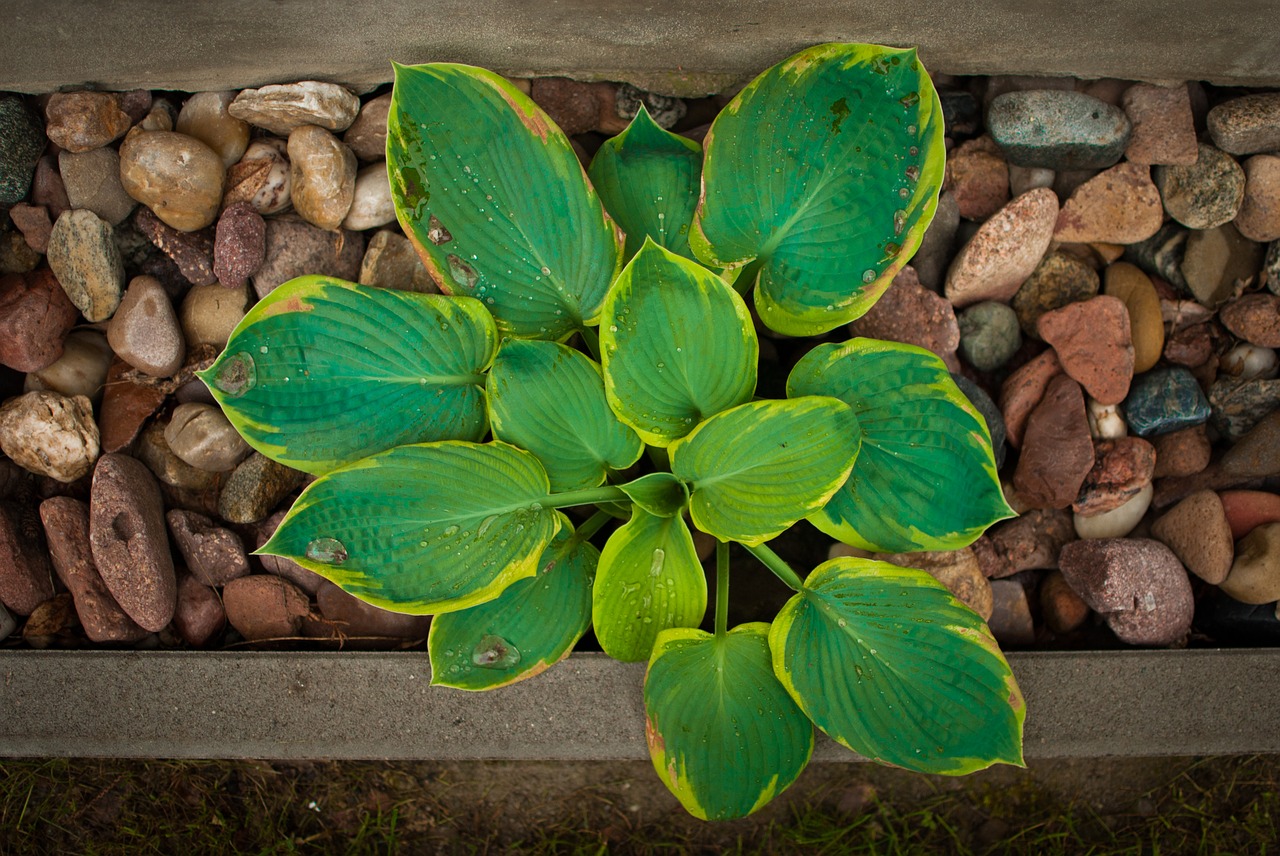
(380, 706)
(680, 46)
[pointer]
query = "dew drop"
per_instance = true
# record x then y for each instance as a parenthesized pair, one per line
(494, 652)
(237, 374)
(485, 524)
(655, 565)
(546, 271)
(450, 531)
(868, 276)
(899, 221)
(436, 232)
(842, 623)
(329, 551)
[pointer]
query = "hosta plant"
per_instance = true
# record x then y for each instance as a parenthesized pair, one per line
(591, 317)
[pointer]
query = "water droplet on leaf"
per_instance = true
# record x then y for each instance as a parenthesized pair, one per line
(494, 652)
(329, 551)
(236, 375)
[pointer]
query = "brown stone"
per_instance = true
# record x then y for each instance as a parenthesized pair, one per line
(1181, 453)
(1063, 609)
(571, 104)
(1197, 531)
(1255, 573)
(80, 121)
(1254, 318)
(1122, 468)
(263, 607)
(282, 107)
(1138, 584)
(176, 176)
(1030, 541)
(307, 580)
(214, 555)
(26, 575)
(1004, 251)
(1119, 206)
(144, 331)
(979, 177)
(1094, 345)
(35, 317)
(34, 223)
(1190, 346)
(126, 406)
(240, 245)
(1060, 279)
(205, 117)
(191, 251)
(199, 615)
(345, 616)
(958, 570)
(1146, 322)
(1246, 510)
(1163, 129)
(1057, 451)
(367, 136)
(908, 312)
(322, 174)
(1259, 215)
(1022, 391)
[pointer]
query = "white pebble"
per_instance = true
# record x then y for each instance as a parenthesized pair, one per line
(1118, 522)
(1105, 422)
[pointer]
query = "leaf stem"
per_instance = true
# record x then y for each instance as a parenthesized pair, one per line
(592, 340)
(722, 588)
(775, 563)
(590, 526)
(588, 496)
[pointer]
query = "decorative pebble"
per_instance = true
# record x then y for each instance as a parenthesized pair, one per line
(908, 312)
(81, 370)
(144, 332)
(80, 121)
(264, 607)
(203, 437)
(161, 117)
(1093, 344)
(1122, 469)
(958, 570)
(126, 405)
(192, 251)
(209, 313)
(1105, 421)
(1255, 573)
(1254, 318)
(1217, 260)
(1259, 215)
(8, 623)
(240, 245)
(1203, 194)
(34, 224)
(1057, 452)
(205, 117)
(574, 106)
(47, 188)
(390, 261)
(1162, 254)
(1270, 267)
(130, 546)
(1058, 280)
(347, 616)
(1062, 608)
(1010, 621)
(26, 576)
(1004, 251)
(1181, 453)
(1137, 583)
(1248, 509)
(1028, 542)
(66, 526)
(931, 260)
(1163, 129)
(1146, 323)
(199, 615)
(153, 450)
(1023, 389)
(989, 335)
(215, 555)
(367, 136)
(1058, 130)
(282, 107)
(1165, 399)
(50, 434)
(1197, 531)
(1190, 346)
(255, 489)
(87, 263)
(21, 142)
(1024, 178)
(322, 175)
(1257, 452)
(979, 178)
(1245, 125)
(371, 204)
(35, 317)
(261, 178)
(1119, 206)
(295, 248)
(1237, 406)
(1115, 522)
(176, 176)
(92, 180)
(988, 410)
(15, 255)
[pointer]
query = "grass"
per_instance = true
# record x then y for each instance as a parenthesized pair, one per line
(1208, 806)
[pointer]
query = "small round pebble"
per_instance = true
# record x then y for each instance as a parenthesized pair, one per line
(85, 259)
(1059, 130)
(1004, 251)
(1259, 215)
(989, 335)
(80, 121)
(203, 437)
(367, 136)
(1197, 531)
(1182, 453)
(371, 204)
(210, 312)
(205, 117)
(1248, 124)
(1118, 206)
(322, 175)
(145, 332)
(1255, 573)
(1204, 194)
(1215, 260)
(1146, 322)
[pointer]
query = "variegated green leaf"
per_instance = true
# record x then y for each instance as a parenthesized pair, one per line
(648, 179)
(826, 169)
(677, 346)
(491, 193)
(423, 529)
(323, 372)
(649, 580)
(887, 662)
(549, 399)
(926, 453)
(760, 467)
(530, 627)
(724, 735)
(660, 494)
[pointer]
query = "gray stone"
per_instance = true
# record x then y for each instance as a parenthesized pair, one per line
(390, 261)
(989, 335)
(130, 546)
(1237, 406)
(367, 136)
(92, 180)
(144, 332)
(255, 488)
(282, 107)
(21, 142)
(1243, 126)
(50, 434)
(1204, 194)
(87, 263)
(203, 437)
(934, 255)
(295, 247)
(1058, 130)
(1271, 268)
(214, 554)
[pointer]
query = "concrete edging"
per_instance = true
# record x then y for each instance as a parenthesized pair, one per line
(350, 705)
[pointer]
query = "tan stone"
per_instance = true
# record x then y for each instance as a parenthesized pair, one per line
(1146, 323)
(323, 175)
(1119, 206)
(176, 176)
(205, 117)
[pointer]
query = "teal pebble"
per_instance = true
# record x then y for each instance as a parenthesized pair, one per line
(1163, 400)
(989, 335)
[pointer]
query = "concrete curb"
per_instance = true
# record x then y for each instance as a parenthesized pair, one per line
(381, 706)
(710, 44)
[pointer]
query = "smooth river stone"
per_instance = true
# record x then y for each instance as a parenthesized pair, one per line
(130, 544)
(1255, 573)
(176, 176)
(371, 204)
(205, 117)
(1259, 215)
(1164, 130)
(203, 437)
(1058, 130)
(280, 108)
(35, 317)
(1165, 399)
(1216, 260)
(1146, 323)
(1204, 194)
(1245, 125)
(85, 259)
(1119, 206)
(1197, 531)
(264, 607)
(1004, 251)
(323, 176)
(92, 180)
(367, 136)
(210, 312)
(50, 434)
(144, 331)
